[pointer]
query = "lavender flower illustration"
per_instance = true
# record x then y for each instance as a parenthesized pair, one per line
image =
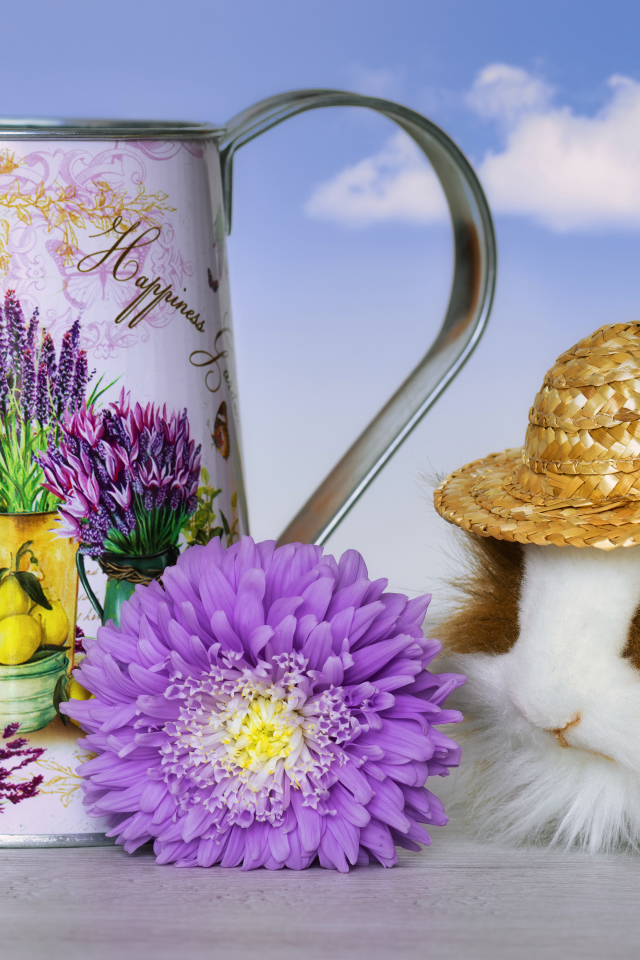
(35, 393)
(18, 755)
(127, 477)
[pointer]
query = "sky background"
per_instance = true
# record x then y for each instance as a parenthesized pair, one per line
(340, 255)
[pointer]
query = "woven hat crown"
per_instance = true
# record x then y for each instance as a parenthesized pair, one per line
(583, 439)
(576, 481)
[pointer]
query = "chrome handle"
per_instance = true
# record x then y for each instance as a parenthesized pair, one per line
(467, 314)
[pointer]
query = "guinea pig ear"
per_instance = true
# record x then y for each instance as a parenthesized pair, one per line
(483, 615)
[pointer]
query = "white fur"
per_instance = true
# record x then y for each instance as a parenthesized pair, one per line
(565, 668)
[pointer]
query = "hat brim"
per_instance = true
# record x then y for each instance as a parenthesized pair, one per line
(479, 497)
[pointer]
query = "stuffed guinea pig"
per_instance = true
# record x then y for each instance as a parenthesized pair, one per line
(547, 622)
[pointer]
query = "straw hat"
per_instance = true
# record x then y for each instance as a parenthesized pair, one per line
(576, 481)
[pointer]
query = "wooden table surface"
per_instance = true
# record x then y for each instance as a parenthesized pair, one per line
(458, 900)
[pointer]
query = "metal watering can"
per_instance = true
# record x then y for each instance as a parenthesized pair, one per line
(119, 417)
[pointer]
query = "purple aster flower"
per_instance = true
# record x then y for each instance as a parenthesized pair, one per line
(266, 707)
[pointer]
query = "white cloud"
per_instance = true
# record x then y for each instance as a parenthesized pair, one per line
(395, 184)
(502, 92)
(565, 170)
(570, 171)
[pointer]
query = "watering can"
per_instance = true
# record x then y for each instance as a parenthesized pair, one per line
(118, 387)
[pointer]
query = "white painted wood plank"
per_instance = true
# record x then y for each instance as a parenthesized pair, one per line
(459, 900)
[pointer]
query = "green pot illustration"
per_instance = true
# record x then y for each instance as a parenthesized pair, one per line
(27, 690)
(124, 574)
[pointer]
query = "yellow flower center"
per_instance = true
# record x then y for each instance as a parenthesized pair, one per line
(259, 734)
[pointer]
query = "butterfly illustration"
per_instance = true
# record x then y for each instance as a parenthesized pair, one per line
(220, 435)
(214, 284)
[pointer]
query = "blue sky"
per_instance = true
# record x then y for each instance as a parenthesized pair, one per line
(337, 287)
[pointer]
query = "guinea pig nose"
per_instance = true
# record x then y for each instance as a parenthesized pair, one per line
(551, 713)
(559, 732)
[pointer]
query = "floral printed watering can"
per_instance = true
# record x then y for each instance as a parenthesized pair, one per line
(119, 432)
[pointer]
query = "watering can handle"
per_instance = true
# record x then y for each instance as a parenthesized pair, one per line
(472, 289)
(84, 580)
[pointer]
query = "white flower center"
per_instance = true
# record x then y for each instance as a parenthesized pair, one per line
(258, 732)
(244, 742)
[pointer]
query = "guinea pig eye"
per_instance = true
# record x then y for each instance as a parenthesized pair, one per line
(632, 649)
(483, 615)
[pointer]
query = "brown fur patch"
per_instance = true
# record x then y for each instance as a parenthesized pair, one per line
(484, 612)
(632, 650)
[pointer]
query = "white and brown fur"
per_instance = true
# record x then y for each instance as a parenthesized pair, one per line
(549, 638)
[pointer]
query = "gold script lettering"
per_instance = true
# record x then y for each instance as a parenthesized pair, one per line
(154, 292)
(126, 269)
(202, 358)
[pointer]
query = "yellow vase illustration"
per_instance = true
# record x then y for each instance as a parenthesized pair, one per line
(36, 638)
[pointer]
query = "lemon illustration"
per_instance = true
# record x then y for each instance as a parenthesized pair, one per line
(20, 637)
(13, 599)
(54, 623)
(77, 692)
